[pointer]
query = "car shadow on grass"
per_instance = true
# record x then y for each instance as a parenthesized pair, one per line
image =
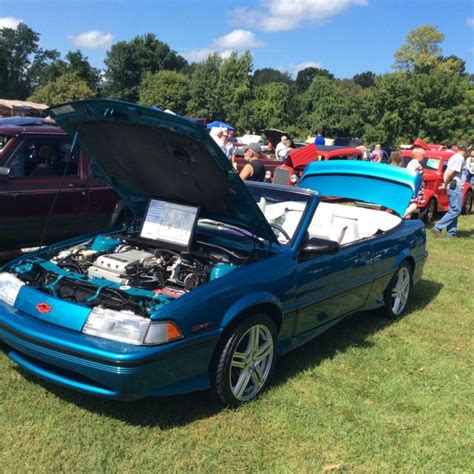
(355, 331)
(170, 412)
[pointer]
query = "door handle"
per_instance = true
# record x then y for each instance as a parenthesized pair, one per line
(362, 257)
(15, 195)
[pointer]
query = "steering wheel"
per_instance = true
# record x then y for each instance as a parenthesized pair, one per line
(281, 230)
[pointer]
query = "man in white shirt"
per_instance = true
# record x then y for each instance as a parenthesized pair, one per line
(216, 134)
(454, 179)
(283, 148)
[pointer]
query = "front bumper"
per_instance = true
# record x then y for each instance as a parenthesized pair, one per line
(105, 368)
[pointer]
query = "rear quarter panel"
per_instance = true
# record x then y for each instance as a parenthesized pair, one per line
(407, 241)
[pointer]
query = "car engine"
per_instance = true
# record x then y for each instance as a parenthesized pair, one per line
(121, 272)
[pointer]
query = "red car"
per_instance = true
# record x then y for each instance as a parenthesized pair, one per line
(43, 196)
(436, 199)
(294, 165)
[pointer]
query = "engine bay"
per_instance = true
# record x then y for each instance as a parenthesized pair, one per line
(122, 272)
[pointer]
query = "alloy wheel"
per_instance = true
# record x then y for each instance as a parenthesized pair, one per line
(251, 362)
(401, 290)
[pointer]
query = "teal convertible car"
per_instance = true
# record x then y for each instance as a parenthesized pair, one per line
(214, 279)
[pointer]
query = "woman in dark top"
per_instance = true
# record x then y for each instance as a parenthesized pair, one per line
(254, 169)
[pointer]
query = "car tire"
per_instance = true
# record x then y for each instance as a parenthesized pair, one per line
(467, 207)
(397, 292)
(427, 214)
(245, 360)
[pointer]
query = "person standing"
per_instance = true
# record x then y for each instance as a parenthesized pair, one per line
(283, 148)
(229, 146)
(418, 155)
(377, 155)
(254, 169)
(396, 158)
(453, 181)
(217, 134)
(319, 139)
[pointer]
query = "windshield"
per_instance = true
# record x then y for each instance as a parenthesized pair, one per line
(427, 163)
(282, 209)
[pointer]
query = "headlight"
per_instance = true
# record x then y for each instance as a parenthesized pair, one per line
(124, 326)
(10, 286)
(293, 178)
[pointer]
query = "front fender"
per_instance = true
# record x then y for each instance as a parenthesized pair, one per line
(247, 302)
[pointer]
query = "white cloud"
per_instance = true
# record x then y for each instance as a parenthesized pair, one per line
(93, 39)
(9, 22)
(237, 40)
(470, 22)
(294, 68)
(283, 15)
(197, 55)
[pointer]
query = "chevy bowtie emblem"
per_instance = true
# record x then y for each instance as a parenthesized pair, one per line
(43, 308)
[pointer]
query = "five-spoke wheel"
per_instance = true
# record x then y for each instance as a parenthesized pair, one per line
(398, 290)
(246, 360)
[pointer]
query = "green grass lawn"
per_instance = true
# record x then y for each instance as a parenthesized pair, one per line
(367, 396)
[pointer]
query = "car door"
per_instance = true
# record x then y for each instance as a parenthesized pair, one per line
(44, 185)
(329, 286)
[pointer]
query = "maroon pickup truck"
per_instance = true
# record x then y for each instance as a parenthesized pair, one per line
(37, 179)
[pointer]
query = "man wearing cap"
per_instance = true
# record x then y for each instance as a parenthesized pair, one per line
(283, 148)
(453, 182)
(254, 169)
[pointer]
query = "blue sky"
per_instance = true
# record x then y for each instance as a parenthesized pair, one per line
(344, 36)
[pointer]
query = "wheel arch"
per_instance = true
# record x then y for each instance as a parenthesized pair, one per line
(251, 304)
(242, 309)
(406, 257)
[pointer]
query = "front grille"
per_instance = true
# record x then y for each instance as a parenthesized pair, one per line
(281, 176)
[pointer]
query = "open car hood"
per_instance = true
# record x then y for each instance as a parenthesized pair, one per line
(304, 155)
(145, 153)
(274, 135)
(388, 186)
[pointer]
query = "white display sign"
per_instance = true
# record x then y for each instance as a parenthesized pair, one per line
(169, 222)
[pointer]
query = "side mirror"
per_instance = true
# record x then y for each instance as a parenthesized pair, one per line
(4, 173)
(317, 246)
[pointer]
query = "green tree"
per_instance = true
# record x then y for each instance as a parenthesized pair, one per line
(365, 79)
(268, 75)
(324, 107)
(165, 89)
(21, 61)
(235, 85)
(271, 108)
(74, 62)
(127, 62)
(64, 89)
(393, 110)
(205, 99)
(306, 76)
(421, 50)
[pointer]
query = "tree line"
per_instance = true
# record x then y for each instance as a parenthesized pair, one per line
(427, 94)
